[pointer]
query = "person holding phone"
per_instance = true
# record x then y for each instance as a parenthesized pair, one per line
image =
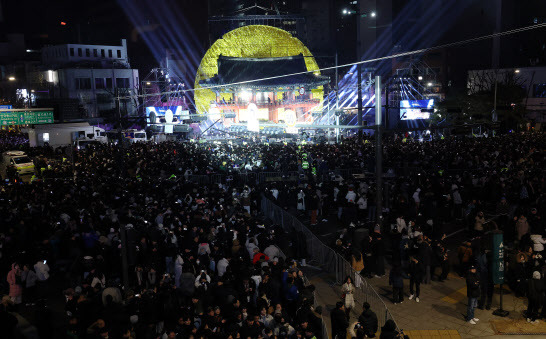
(42, 273)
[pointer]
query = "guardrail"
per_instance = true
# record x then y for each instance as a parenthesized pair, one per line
(328, 259)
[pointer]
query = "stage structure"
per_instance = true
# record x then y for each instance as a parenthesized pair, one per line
(223, 86)
(166, 104)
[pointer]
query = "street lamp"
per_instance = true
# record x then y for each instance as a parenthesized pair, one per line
(372, 14)
(345, 11)
(11, 78)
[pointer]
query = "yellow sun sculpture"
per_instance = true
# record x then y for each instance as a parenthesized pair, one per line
(256, 41)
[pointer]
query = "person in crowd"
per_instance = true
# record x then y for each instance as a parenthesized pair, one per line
(28, 278)
(348, 290)
(396, 280)
(378, 252)
(473, 293)
(416, 272)
(479, 222)
(389, 331)
(465, 257)
(15, 284)
(522, 226)
(535, 297)
(368, 321)
(339, 321)
(485, 269)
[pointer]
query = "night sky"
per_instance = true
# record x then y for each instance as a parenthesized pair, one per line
(97, 22)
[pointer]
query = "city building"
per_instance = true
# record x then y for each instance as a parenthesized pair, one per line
(90, 77)
(531, 79)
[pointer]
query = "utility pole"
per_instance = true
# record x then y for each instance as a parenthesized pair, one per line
(359, 98)
(337, 100)
(359, 72)
(378, 153)
(122, 229)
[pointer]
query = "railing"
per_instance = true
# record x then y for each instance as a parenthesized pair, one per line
(328, 260)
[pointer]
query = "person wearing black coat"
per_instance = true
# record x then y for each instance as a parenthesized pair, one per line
(472, 292)
(388, 331)
(535, 296)
(425, 257)
(378, 251)
(368, 321)
(396, 279)
(416, 273)
(339, 321)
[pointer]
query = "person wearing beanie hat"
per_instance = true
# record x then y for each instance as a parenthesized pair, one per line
(534, 295)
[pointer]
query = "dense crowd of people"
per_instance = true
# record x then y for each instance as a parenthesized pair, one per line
(201, 263)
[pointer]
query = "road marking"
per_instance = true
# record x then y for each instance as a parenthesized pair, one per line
(455, 297)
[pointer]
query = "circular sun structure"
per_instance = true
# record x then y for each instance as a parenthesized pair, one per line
(255, 41)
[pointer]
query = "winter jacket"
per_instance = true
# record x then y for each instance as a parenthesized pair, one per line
(15, 288)
(368, 320)
(29, 278)
(396, 279)
(351, 197)
(222, 266)
(472, 285)
(272, 251)
(187, 283)
(42, 270)
(416, 270)
(535, 290)
(539, 242)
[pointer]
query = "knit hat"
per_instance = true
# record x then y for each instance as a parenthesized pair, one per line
(536, 275)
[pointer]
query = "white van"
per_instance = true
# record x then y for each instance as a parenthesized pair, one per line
(19, 159)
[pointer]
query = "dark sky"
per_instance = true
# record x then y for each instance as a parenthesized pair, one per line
(97, 22)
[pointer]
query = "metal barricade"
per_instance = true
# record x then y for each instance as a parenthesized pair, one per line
(328, 260)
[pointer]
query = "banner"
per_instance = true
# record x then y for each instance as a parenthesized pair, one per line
(498, 258)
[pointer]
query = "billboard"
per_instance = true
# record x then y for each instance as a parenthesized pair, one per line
(411, 109)
(166, 115)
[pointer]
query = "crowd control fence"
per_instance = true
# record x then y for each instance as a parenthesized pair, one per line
(329, 260)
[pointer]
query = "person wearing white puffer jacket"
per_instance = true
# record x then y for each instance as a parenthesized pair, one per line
(538, 243)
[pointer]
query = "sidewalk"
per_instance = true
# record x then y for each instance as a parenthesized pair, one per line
(442, 307)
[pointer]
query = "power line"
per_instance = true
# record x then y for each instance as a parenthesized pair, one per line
(392, 56)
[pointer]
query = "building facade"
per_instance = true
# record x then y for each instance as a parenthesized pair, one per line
(91, 76)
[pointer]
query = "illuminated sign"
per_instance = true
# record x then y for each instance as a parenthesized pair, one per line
(170, 115)
(25, 117)
(411, 109)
